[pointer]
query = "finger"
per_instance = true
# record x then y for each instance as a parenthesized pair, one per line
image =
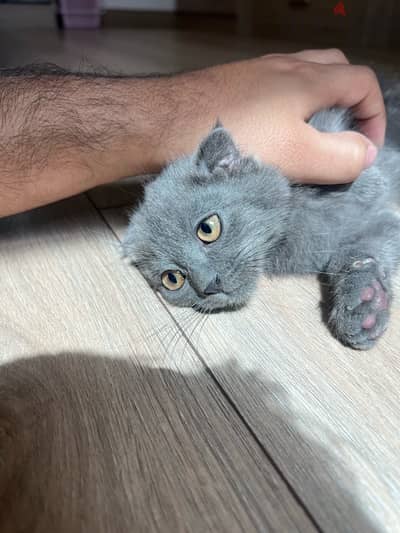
(328, 56)
(331, 157)
(352, 87)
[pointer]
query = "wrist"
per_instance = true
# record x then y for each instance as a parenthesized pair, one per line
(187, 112)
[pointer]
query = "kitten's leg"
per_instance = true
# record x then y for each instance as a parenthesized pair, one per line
(360, 284)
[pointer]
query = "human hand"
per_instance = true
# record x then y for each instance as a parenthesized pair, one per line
(265, 103)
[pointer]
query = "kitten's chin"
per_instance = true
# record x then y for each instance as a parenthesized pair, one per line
(220, 302)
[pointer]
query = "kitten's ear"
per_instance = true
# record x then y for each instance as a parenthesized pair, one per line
(218, 150)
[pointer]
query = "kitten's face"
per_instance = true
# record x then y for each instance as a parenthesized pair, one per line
(208, 226)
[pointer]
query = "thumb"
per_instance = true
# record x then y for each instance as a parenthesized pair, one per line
(333, 157)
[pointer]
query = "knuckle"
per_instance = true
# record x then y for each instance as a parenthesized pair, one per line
(304, 69)
(281, 63)
(337, 54)
(368, 74)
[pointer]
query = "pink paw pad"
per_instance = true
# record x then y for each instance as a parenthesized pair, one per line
(369, 322)
(367, 294)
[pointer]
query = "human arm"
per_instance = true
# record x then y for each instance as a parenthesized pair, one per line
(63, 133)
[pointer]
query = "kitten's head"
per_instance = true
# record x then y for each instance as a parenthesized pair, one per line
(208, 226)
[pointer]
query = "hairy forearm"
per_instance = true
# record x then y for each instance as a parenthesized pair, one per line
(63, 133)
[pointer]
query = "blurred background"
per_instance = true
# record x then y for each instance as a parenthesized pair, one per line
(141, 36)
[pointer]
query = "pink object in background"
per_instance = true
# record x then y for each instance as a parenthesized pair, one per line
(80, 13)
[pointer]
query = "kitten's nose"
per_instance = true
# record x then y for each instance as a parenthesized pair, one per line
(214, 286)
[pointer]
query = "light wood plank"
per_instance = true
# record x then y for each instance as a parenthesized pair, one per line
(328, 415)
(101, 429)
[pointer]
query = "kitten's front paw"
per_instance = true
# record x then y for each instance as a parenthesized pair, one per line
(360, 307)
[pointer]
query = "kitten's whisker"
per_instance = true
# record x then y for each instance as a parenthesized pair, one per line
(186, 329)
(189, 337)
(176, 330)
(206, 317)
(323, 251)
(170, 328)
(181, 329)
(152, 333)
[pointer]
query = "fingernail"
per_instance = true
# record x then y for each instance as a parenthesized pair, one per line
(372, 152)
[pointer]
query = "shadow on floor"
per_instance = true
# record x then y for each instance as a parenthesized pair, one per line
(95, 444)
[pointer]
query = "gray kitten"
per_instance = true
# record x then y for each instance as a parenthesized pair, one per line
(212, 223)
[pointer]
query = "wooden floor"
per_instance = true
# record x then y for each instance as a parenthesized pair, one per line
(119, 413)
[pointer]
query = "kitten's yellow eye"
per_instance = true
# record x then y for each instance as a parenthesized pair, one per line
(172, 279)
(209, 229)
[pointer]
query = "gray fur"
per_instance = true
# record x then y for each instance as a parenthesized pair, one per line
(350, 234)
